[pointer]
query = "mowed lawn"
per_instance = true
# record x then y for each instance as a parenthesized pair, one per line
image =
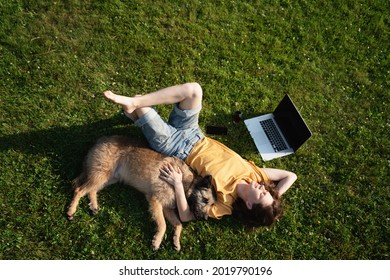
(331, 57)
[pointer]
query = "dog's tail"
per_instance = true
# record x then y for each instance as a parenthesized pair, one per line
(79, 181)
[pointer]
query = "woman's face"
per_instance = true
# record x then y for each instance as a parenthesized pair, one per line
(257, 194)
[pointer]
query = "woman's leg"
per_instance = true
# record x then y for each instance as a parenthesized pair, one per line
(189, 96)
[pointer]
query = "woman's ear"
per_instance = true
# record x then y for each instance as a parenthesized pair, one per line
(248, 205)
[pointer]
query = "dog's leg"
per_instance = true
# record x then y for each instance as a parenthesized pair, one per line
(93, 204)
(78, 194)
(177, 226)
(157, 215)
(96, 185)
(90, 187)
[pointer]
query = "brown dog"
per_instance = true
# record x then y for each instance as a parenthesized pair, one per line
(121, 159)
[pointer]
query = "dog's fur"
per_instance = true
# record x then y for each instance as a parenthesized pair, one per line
(121, 159)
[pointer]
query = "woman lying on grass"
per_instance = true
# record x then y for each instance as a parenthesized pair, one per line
(243, 189)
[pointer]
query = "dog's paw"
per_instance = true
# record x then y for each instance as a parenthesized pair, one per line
(176, 244)
(156, 242)
(155, 246)
(70, 214)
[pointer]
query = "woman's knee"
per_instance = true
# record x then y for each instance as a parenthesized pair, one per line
(192, 97)
(195, 90)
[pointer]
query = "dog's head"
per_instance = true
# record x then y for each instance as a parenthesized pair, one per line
(203, 196)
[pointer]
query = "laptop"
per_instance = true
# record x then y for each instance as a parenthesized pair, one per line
(280, 133)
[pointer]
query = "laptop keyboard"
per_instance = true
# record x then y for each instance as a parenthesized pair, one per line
(273, 135)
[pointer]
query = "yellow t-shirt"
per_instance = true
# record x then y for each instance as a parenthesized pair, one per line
(210, 157)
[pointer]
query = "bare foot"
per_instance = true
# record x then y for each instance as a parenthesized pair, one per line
(127, 103)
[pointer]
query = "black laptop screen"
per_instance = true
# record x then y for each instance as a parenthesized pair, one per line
(291, 123)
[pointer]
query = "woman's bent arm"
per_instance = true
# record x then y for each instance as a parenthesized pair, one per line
(174, 177)
(284, 178)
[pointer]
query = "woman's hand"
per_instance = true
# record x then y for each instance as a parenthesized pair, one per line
(171, 175)
(174, 176)
(284, 178)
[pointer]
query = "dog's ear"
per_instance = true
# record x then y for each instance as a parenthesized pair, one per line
(208, 179)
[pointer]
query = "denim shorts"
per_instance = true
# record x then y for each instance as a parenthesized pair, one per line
(177, 137)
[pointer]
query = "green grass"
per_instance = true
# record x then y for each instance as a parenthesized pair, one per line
(332, 57)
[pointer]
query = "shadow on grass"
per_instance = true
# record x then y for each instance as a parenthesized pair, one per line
(67, 146)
